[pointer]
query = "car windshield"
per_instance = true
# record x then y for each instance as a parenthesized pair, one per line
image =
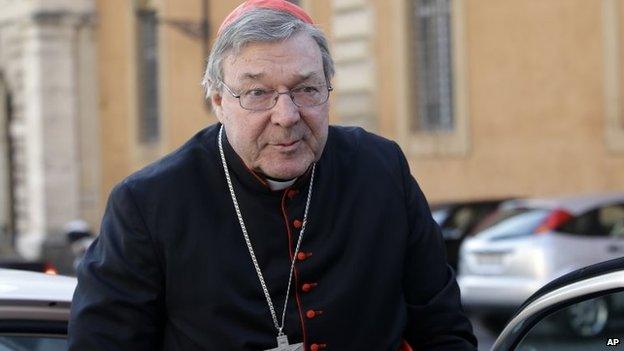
(512, 223)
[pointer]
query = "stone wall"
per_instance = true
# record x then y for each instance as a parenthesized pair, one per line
(47, 65)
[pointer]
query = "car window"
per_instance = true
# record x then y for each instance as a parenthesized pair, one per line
(479, 213)
(611, 218)
(601, 222)
(512, 223)
(461, 218)
(439, 215)
(32, 343)
(586, 224)
(592, 324)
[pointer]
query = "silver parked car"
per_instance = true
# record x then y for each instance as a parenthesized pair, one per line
(34, 309)
(530, 242)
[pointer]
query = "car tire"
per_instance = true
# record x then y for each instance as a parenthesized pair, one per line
(587, 318)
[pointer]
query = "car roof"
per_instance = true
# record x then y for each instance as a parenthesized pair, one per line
(478, 201)
(575, 204)
(33, 286)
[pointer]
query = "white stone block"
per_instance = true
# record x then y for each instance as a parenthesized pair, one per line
(345, 5)
(351, 50)
(352, 24)
(355, 76)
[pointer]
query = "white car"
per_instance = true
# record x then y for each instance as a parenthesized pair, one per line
(34, 310)
(583, 310)
(530, 242)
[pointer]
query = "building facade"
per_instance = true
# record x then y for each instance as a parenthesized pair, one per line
(494, 98)
(49, 142)
(487, 98)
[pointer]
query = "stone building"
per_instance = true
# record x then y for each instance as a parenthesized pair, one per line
(487, 98)
(49, 142)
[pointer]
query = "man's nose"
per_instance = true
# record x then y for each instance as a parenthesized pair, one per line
(285, 112)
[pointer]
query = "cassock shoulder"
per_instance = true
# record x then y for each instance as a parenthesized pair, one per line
(356, 139)
(377, 156)
(180, 169)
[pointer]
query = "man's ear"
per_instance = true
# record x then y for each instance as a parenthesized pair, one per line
(216, 99)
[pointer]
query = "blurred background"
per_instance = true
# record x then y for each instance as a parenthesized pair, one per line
(490, 100)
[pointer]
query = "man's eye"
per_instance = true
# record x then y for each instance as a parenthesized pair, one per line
(308, 89)
(256, 92)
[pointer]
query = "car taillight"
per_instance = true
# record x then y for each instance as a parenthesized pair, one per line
(50, 269)
(554, 220)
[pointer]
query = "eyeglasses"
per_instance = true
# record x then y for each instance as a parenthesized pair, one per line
(265, 99)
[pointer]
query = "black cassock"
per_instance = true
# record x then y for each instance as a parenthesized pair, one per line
(170, 269)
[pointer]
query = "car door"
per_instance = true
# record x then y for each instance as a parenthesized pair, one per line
(33, 325)
(583, 310)
(34, 310)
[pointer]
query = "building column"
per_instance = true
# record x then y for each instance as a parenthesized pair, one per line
(52, 96)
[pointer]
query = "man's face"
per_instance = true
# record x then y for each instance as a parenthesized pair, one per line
(281, 142)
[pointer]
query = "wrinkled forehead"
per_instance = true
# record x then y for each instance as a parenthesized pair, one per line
(295, 59)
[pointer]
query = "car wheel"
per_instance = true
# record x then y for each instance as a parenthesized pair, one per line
(588, 318)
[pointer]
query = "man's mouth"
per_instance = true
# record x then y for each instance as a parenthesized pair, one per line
(288, 143)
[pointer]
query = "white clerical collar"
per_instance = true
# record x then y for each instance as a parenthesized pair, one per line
(280, 184)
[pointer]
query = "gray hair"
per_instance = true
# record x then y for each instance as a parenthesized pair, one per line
(260, 25)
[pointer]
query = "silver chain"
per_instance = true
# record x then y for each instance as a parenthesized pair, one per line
(265, 289)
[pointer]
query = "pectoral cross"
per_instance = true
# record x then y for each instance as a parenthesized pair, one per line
(283, 345)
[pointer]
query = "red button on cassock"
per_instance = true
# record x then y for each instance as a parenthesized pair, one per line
(301, 256)
(311, 314)
(316, 347)
(297, 223)
(292, 193)
(307, 287)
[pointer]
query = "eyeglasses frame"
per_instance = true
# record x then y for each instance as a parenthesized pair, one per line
(289, 93)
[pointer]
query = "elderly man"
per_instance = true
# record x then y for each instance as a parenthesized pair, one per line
(270, 230)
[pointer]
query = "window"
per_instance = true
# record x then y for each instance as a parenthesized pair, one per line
(602, 222)
(512, 223)
(32, 343)
(611, 219)
(433, 118)
(432, 73)
(147, 68)
(584, 325)
(8, 163)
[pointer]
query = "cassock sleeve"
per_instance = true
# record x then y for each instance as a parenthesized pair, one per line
(435, 318)
(118, 303)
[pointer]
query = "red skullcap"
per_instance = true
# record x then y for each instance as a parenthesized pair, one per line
(280, 5)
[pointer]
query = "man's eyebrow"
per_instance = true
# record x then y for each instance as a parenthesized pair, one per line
(252, 76)
(258, 76)
(306, 76)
